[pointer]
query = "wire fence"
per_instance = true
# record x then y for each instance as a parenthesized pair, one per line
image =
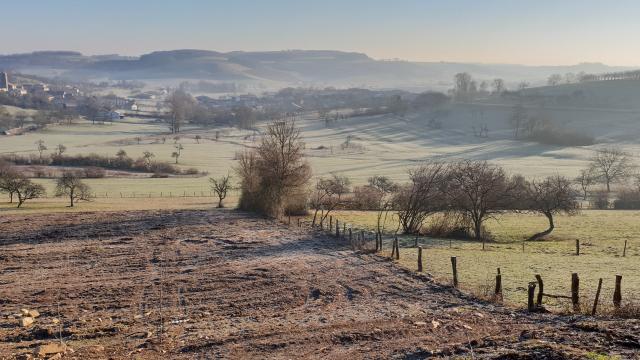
(488, 280)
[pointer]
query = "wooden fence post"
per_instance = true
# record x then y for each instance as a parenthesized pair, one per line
(617, 294)
(419, 258)
(531, 292)
(454, 267)
(577, 247)
(624, 251)
(595, 302)
(330, 222)
(397, 249)
(298, 222)
(498, 290)
(350, 236)
(337, 229)
(575, 291)
(540, 290)
(523, 246)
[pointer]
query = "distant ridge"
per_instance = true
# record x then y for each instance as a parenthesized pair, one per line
(287, 66)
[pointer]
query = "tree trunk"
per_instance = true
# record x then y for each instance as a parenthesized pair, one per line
(220, 204)
(71, 198)
(546, 232)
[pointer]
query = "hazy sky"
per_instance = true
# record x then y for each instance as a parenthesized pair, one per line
(491, 31)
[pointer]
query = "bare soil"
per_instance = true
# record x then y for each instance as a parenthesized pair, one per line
(223, 284)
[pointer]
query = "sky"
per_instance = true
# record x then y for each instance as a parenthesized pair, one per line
(532, 32)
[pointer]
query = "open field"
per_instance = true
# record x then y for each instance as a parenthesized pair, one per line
(601, 233)
(220, 284)
(382, 145)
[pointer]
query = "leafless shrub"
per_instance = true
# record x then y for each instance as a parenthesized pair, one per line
(328, 195)
(274, 170)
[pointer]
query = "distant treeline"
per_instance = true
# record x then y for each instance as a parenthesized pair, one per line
(119, 162)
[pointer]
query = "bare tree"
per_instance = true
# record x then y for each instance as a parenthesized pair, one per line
(70, 184)
(8, 177)
(422, 197)
(176, 154)
(517, 119)
(498, 86)
(147, 157)
(611, 165)
(462, 86)
(385, 188)
(221, 187)
(586, 179)
(554, 79)
(274, 170)
(60, 149)
(478, 190)
(25, 189)
(41, 147)
(181, 106)
(553, 195)
(328, 195)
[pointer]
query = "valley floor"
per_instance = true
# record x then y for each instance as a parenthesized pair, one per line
(222, 284)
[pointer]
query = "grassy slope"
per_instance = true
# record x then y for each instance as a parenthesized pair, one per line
(601, 233)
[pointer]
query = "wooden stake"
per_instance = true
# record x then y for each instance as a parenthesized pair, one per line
(624, 251)
(498, 290)
(617, 294)
(577, 247)
(419, 258)
(575, 291)
(531, 292)
(454, 267)
(540, 290)
(595, 302)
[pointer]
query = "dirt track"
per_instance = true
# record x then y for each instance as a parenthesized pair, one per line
(224, 284)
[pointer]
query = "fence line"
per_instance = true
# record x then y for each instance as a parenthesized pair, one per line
(361, 240)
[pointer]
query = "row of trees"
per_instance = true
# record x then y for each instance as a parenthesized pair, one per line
(469, 192)
(274, 177)
(20, 188)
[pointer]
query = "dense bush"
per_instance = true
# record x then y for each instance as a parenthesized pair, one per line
(94, 161)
